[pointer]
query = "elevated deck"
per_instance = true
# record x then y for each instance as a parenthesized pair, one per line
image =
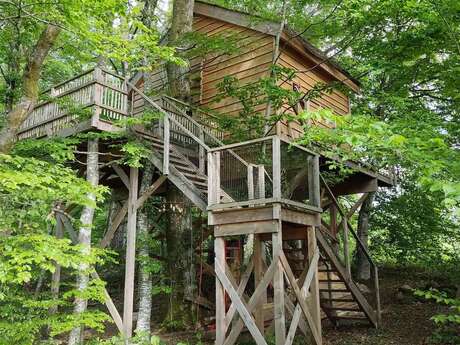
(266, 189)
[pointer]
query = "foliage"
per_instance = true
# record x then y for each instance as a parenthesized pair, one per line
(447, 323)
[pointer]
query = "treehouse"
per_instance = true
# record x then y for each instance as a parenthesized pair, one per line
(274, 219)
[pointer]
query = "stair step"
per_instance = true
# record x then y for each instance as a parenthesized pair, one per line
(193, 176)
(341, 308)
(325, 299)
(334, 290)
(331, 281)
(322, 270)
(344, 317)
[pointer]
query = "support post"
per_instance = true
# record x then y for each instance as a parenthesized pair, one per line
(166, 133)
(258, 275)
(219, 249)
(130, 253)
(278, 287)
(276, 161)
(314, 287)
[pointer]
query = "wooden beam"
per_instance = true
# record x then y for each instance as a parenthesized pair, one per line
(276, 161)
(264, 226)
(241, 287)
(108, 301)
(130, 254)
(357, 205)
(118, 219)
(166, 148)
(241, 306)
(150, 190)
(278, 289)
(121, 174)
(253, 301)
(258, 274)
(313, 256)
(300, 300)
(314, 196)
(305, 283)
(221, 326)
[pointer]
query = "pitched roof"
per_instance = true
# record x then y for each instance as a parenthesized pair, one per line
(322, 62)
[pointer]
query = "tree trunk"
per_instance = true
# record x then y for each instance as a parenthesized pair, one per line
(84, 236)
(179, 232)
(182, 20)
(144, 277)
(363, 265)
(180, 259)
(18, 115)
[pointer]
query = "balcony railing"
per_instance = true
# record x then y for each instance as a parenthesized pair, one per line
(263, 171)
(93, 96)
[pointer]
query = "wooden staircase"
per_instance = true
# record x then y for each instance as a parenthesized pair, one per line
(340, 297)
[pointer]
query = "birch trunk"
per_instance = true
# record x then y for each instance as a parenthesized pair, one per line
(144, 276)
(84, 237)
(363, 265)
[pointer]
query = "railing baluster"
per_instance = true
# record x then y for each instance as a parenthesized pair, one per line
(166, 144)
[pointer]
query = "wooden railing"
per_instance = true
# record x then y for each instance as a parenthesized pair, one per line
(273, 171)
(92, 96)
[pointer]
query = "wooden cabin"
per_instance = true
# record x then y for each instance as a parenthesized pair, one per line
(255, 42)
(268, 190)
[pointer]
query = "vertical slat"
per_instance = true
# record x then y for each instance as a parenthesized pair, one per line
(201, 153)
(130, 253)
(219, 248)
(211, 174)
(276, 167)
(313, 181)
(166, 134)
(250, 181)
(261, 181)
(216, 178)
(278, 287)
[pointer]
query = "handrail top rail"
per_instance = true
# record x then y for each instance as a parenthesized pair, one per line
(85, 72)
(161, 110)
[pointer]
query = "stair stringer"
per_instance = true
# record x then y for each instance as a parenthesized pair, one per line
(349, 283)
(181, 182)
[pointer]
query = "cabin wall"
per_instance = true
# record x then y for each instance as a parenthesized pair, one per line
(250, 63)
(306, 78)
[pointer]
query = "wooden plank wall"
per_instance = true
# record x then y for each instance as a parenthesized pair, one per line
(248, 65)
(337, 101)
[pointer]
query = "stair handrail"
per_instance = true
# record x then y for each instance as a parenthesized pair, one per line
(161, 110)
(361, 245)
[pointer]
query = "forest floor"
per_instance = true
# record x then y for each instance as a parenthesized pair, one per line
(405, 319)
